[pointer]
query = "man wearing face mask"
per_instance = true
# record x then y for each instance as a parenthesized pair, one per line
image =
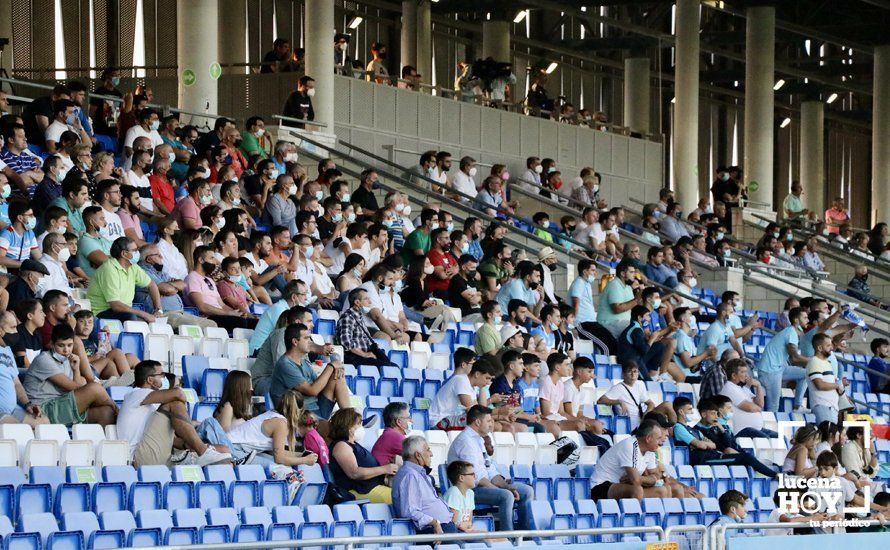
(153, 415)
(461, 293)
(444, 263)
(463, 181)
(253, 140)
(859, 289)
(424, 170)
(531, 179)
(299, 102)
(364, 195)
(148, 126)
(200, 288)
(396, 425)
(151, 261)
(113, 287)
(17, 241)
(331, 224)
(64, 120)
(55, 254)
(524, 286)
(30, 283)
(413, 494)
(138, 175)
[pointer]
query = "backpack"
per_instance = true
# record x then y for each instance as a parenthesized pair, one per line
(566, 451)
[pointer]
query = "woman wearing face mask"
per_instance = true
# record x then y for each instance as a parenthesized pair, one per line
(279, 209)
(175, 264)
(94, 246)
(351, 276)
(414, 295)
(187, 211)
(353, 467)
(212, 219)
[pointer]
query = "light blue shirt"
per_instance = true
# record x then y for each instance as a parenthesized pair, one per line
(806, 342)
(266, 324)
(775, 355)
(616, 292)
(8, 374)
(549, 339)
(470, 447)
(734, 321)
(718, 334)
(583, 290)
(684, 343)
(515, 289)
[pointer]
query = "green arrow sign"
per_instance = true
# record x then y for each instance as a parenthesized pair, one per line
(189, 77)
(753, 186)
(215, 71)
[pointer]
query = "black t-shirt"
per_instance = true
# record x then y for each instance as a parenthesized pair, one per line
(22, 341)
(413, 295)
(457, 285)
(272, 59)
(325, 228)
(299, 105)
(565, 342)
(253, 185)
(40, 106)
(365, 198)
(19, 290)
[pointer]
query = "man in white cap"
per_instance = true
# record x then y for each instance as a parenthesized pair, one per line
(547, 259)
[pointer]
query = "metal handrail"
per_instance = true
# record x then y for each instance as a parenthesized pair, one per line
(300, 120)
(717, 533)
(401, 150)
(350, 542)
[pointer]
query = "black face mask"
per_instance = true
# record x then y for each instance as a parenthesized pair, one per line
(533, 286)
(471, 274)
(552, 267)
(428, 470)
(237, 143)
(208, 267)
(159, 267)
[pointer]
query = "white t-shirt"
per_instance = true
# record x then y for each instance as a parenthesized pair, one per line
(323, 283)
(133, 417)
(596, 233)
(139, 131)
(554, 393)
(447, 401)
(624, 454)
(305, 271)
(620, 392)
(337, 255)
(174, 262)
(463, 183)
(820, 369)
(259, 264)
(115, 227)
(55, 130)
(740, 418)
(145, 202)
(572, 394)
(392, 306)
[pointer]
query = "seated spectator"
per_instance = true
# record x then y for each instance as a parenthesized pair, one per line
(233, 289)
(657, 270)
(685, 356)
(294, 293)
(522, 287)
(293, 370)
(113, 287)
(747, 404)
(419, 241)
(154, 416)
(55, 255)
(488, 336)
(699, 252)
(24, 166)
(631, 398)
(396, 426)
(17, 240)
(617, 299)
(619, 472)
(801, 457)
(414, 495)
(152, 263)
(859, 460)
(65, 389)
(719, 333)
(278, 209)
(353, 468)
(30, 283)
(460, 497)
(187, 211)
(491, 487)
(448, 409)
(858, 288)
(811, 259)
(672, 226)
(274, 347)
(709, 441)
(353, 335)
(462, 294)
(26, 337)
(652, 350)
(582, 373)
(444, 262)
(880, 350)
(14, 404)
(201, 290)
(733, 508)
(105, 361)
(95, 243)
(496, 268)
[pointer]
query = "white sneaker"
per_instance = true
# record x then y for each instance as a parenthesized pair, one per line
(212, 456)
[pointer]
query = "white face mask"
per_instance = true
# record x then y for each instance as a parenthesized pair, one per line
(429, 269)
(292, 190)
(207, 173)
(473, 172)
(539, 169)
(310, 92)
(359, 434)
(260, 132)
(292, 157)
(64, 254)
(693, 282)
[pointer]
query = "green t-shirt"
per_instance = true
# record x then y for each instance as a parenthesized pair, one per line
(616, 292)
(250, 145)
(487, 339)
(74, 216)
(792, 204)
(417, 240)
(489, 268)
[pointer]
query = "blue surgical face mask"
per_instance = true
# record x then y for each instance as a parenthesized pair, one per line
(366, 309)
(165, 384)
(115, 81)
(70, 119)
(31, 223)
(553, 326)
(155, 125)
(337, 217)
(135, 259)
(398, 286)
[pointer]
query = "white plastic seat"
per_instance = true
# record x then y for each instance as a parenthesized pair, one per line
(21, 434)
(583, 347)
(440, 360)
(76, 453)
(192, 331)
(161, 328)
(438, 442)
(504, 447)
(763, 449)
(158, 348)
(236, 348)
(88, 432)
(243, 333)
(52, 432)
(84, 303)
(526, 448)
(9, 453)
(137, 326)
(620, 437)
(216, 332)
(112, 453)
(452, 436)
(41, 452)
(779, 450)
(331, 314)
(220, 363)
(179, 346)
(245, 363)
(111, 432)
(210, 347)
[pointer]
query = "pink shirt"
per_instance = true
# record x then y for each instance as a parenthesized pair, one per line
(554, 394)
(131, 221)
(228, 289)
(388, 445)
(312, 441)
(187, 209)
(204, 286)
(835, 216)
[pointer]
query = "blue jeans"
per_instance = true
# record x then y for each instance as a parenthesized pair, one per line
(210, 431)
(772, 386)
(752, 433)
(824, 412)
(798, 375)
(504, 500)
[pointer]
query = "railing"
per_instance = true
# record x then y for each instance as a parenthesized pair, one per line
(717, 533)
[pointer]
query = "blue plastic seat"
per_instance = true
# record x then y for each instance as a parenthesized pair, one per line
(161, 520)
(609, 516)
(288, 515)
(412, 384)
(710, 509)
(224, 516)
(379, 514)
(722, 479)
(212, 382)
(7, 501)
(12, 475)
(367, 380)
(390, 382)
(631, 512)
(193, 367)
(432, 381)
(257, 515)
(33, 499)
(72, 497)
(271, 492)
(314, 486)
(673, 512)
(179, 495)
(50, 475)
(540, 515)
(22, 541)
(203, 410)
(124, 474)
(124, 521)
(132, 342)
(653, 512)
(88, 524)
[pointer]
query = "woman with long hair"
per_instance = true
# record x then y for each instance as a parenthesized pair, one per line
(801, 457)
(265, 438)
(353, 467)
(175, 263)
(877, 238)
(354, 268)
(235, 405)
(186, 242)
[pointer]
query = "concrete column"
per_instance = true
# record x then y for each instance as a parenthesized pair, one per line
(319, 61)
(409, 34)
(686, 106)
(195, 53)
(636, 94)
(496, 40)
(424, 43)
(812, 153)
(880, 141)
(760, 63)
(232, 42)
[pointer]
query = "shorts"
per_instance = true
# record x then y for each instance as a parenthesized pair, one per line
(452, 423)
(156, 446)
(324, 407)
(63, 410)
(601, 491)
